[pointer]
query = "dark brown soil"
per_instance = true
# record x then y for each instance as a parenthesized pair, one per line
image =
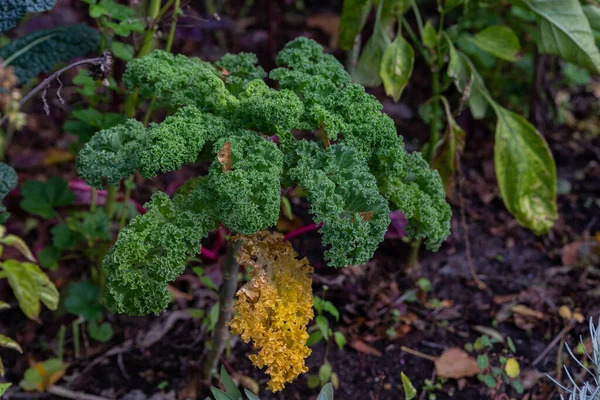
(519, 268)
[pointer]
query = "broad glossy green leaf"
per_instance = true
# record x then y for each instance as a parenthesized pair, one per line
(429, 36)
(19, 244)
(3, 386)
(352, 21)
(325, 372)
(9, 343)
(250, 395)
(564, 30)
(525, 171)
(46, 291)
(396, 67)
(323, 325)
(592, 13)
(409, 390)
(30, 285)
(467, 81)
(23, 286)
(314, 337)
(499, 41)
(122, 51)
(340, 339)
(101, 332)
(230, 386)
(220, 395)
(326, 392)
(49, 257)
(41, 198)
(451, 4)
(84, 299)
(367, 71)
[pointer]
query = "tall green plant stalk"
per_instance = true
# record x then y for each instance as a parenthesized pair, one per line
(154, 12)
(226, 295)
(168, 47)
(435, 64)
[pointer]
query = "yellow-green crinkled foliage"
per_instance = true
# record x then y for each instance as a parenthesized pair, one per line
(274, 307)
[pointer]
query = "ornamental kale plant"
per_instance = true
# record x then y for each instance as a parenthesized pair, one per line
(256, 141)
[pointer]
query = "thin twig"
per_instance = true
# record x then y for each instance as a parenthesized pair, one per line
(465, 228)
(418, 353)
(69, 394)
(553, 343)
(97, 61)
(381, 379)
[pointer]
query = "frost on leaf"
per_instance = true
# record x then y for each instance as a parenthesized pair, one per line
(274, 307)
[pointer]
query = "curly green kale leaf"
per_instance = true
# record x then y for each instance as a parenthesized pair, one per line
(117, 152)
(11, 11)
(179, 81)
(346, 113)
(41, 50)
(150, 252)
(111, 154)
(267, 110)
(305, 60)
(249, 192)
(240, 69)
(344, 197)
(420, 194)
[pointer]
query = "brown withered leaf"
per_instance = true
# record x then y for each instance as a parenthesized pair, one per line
(364, 348)
(224, 156)
(446, 156)
(366, 215)
(456, 363)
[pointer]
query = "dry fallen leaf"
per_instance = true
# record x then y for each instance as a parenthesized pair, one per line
(456, 363)
(55, 156)
(512, 368)
(526, 311)
(362, 347)
(328, 23)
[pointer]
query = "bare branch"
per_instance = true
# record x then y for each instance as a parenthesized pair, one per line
(104, 63)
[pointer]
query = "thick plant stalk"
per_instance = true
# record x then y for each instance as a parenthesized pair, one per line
(147, 43)
(221, 332)
(168, 47)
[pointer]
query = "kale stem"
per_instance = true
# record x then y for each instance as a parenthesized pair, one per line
(173, 26)
(147, 43)
(353, 54)
(94, 201)
(413, 255)
(221, 332)
(111, 200)
(125, 204)
(434, 136)
(415, 40)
